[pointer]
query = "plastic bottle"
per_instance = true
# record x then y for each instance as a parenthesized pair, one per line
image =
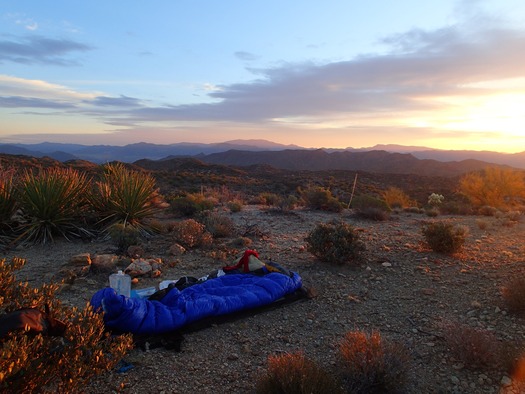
(121, 282)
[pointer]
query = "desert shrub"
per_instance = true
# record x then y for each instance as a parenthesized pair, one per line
(8, 200)
(217, 224)
(191, 204)
(474, 347)
(497, 187)
(482, 224)
(371, 207)
(191, 234)
(234, 206)
(432, 212)
(487, 210)
(38, 363)
(514, 295)
(456, 208)
(269, 199)
(123, 236)
(414, 210)
(295, 374)
(444, 237)
(394, 197)
(127, 197)
(435, 200)
(54, 202)
(321, 199)
(370, 364)
(287, 204)
(335, 242)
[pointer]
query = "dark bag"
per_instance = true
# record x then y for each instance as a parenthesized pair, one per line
(32, 320)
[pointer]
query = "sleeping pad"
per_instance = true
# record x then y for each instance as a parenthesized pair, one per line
(213, 297)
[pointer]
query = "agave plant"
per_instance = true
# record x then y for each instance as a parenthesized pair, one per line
(126, 197)
(54, 202)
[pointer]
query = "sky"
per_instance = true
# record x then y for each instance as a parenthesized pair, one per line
(333, 74)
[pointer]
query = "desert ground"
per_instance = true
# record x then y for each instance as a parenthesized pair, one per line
(401, 289)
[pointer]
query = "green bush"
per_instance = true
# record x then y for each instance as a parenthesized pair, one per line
(234, 206)
(335, 242)
(127, 197)
(217, 224)
(123, 236)
(295, 374)
(191, 204)
(321, 199)
(371, 207)
(37, 363)
(370, 364)
(444, 237)
(54, 202)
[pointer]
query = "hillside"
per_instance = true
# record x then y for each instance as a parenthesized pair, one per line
(371, 161)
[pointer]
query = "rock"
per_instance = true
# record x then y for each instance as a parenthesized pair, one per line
(139, 267)
(104, 263)
(475, 304)
(428, 291)
(177, 249)
(454, 379)
(386, 264)
(80, 260)
(506, 381)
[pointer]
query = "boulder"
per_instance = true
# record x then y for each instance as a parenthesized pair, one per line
(104, 263)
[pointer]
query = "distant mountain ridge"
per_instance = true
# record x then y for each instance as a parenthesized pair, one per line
(381, 158)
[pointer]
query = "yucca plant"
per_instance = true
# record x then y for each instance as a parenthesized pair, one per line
(126, 197)
(8, 203)
(54, 202)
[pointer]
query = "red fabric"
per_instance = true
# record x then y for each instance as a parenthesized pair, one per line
(243, 263)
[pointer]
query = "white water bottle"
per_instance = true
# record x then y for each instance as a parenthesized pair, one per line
(121, 283)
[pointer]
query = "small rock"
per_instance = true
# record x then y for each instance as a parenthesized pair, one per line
(104, 263)
(475, 304)
(177, 249)
(454, 379)
(80, 260)
(386, 264)
(428, 291)
(506, 381)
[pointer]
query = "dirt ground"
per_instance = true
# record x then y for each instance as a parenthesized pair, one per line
(402, 290)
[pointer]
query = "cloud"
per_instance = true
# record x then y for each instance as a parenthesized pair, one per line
(246, 56)
(37, 49)
(122, 101)
(31, 102)
(421, 68)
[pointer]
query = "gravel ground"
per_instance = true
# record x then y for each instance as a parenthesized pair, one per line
(402, 289)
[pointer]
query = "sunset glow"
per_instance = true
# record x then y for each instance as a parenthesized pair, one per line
(449, 76)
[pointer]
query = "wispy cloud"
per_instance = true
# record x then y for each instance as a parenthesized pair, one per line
(245, 56)
(38, 49)
(32, 102)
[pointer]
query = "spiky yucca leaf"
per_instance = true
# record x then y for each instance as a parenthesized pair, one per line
(126, 197)
(53, 200)
(8, 203)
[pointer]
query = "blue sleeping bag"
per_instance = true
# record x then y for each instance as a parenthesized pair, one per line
(214, 297)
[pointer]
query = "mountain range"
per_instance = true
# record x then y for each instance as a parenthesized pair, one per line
(380, 158)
